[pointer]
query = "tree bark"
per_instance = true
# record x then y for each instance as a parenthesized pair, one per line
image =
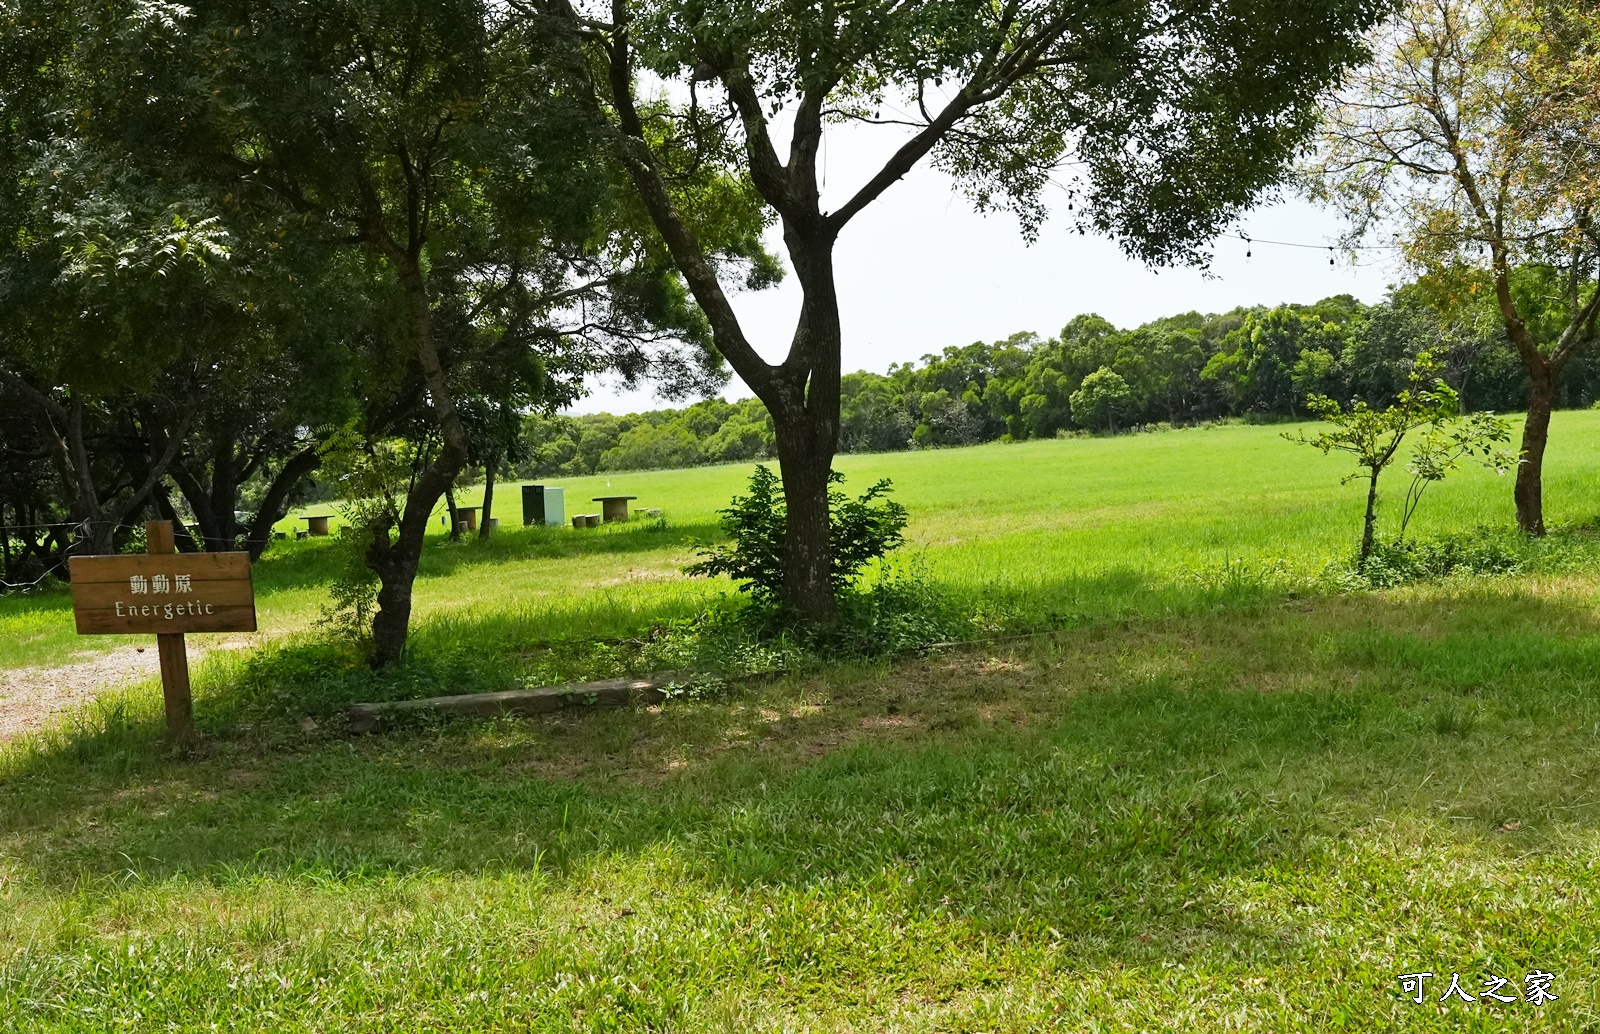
(181, 536)
(224, 497)
(488, 499)
(5, 541)
(395, 560)
(1529, 491)
(275, 504)
(455, 517)
(808, 589)
(1369, 529)
(807, 434)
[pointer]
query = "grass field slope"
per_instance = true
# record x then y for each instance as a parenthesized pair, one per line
(1211, 790)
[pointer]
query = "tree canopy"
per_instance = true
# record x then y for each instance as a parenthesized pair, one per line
(1476, 130)
(1174, 117)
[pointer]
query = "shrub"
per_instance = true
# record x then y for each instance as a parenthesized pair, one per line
(861, 531)
(902, 611)
(1400, 562)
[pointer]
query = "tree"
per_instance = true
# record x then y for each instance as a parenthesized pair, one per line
(872, 414)
(1477, 130)
(650, 446)
(94, 253)
(1374, 436)
(1178, 116)
(428, 148)
(1100, 399)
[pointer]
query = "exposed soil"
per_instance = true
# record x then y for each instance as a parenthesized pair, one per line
(31, 697)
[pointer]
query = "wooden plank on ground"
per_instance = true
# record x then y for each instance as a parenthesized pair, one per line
(647, 689)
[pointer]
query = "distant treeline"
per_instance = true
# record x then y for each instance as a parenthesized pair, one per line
(1256, 363)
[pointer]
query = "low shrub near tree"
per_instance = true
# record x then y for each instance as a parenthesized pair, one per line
(861, 530)
(1396, 562)
(902, 609)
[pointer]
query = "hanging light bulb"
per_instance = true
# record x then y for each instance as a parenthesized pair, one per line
(1330, 258)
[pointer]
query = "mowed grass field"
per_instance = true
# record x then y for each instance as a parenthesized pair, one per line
(1184, 809)
(1062, 529)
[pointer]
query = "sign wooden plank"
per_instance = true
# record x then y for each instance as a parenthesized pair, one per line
(210, 567)
(165, 593)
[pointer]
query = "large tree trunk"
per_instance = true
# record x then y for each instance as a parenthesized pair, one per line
(808, 558)
(395, 561)
(1529, 492)
(804, 403)
(275, 504)
(225, 480)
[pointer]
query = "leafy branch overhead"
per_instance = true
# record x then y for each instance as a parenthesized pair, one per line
(1165, 120)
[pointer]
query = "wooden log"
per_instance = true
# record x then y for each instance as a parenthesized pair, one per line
(649, 689)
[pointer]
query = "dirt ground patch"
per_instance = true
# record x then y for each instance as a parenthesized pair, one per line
(31, 697)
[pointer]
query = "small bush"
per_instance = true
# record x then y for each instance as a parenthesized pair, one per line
(903, 611)
(1239, 578)
(1484, 551)
(861, 531)
(353, 593)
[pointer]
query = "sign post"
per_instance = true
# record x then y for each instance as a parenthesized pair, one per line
(168, 594)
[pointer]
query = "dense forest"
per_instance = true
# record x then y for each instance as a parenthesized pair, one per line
(1251, 363)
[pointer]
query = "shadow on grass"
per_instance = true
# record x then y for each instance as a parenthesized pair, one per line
(1098, 781)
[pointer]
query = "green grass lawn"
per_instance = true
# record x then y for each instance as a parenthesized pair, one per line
(1238, 821)
(1186, 810)
(1062, 530)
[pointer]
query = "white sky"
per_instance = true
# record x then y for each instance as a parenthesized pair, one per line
(920, 270)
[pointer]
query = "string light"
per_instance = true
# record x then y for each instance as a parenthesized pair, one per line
(1250, 243)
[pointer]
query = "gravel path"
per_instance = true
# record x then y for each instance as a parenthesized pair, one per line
(30, 697)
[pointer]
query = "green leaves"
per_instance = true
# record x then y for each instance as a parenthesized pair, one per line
(1372, 437)
(1103, 397)
(860, 531)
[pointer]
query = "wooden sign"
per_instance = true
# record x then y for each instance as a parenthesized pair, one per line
(198, 592)
(168, 594)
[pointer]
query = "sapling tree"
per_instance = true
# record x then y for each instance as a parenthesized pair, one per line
(1373, 437)
(1476, 131)
(1443, 448)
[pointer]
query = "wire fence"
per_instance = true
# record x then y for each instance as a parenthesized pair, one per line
(78, 539)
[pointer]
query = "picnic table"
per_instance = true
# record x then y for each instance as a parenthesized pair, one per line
(469, 514)
(317, 524)
(613, 507)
